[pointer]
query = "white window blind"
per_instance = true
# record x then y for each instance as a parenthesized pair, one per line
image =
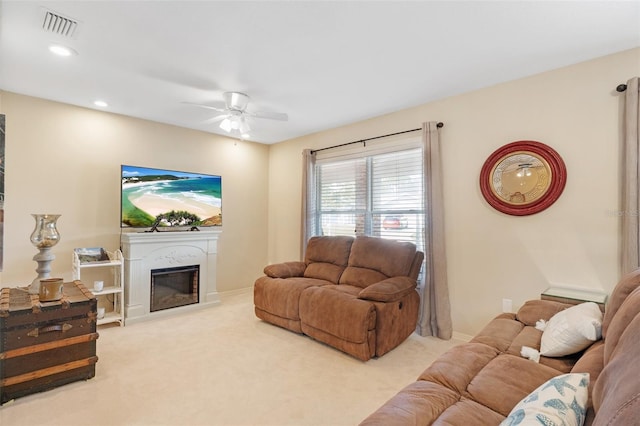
(378, 194)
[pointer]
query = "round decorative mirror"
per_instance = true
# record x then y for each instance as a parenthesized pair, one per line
(523, 178)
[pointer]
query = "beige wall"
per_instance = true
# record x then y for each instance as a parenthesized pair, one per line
(491, 255)
(65, 159)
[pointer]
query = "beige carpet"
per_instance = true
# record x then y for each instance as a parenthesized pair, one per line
(223, 366)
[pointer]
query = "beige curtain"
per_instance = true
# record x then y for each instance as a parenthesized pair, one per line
(435, 310)
(631, 173)
(308, 199)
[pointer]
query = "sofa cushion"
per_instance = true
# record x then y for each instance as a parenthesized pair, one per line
(327, 257)
(509, 335)
(500, 332)
(480, 373)
(625, 286)
(572, 330)
(506, 380)
(592, 362)
(459, 365)
(616, 394)
(561, 400)
(628, 310)
(419, 403)
(534, 310)
(376, 259)
(469, 412)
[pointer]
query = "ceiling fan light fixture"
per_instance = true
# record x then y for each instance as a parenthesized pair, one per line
(244, 126)
(226, 125)
(235, 122)
(234, 117)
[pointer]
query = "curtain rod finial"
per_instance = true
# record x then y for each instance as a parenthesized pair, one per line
(621, 88)
(440, 124)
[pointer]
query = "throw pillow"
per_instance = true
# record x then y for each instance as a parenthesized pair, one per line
(572, 330)
(561, 401)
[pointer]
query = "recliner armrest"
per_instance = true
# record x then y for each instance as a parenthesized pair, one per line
(285, 269)
(389, 290)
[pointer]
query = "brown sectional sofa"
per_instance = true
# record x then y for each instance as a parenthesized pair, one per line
(355, 294)
(479, 383)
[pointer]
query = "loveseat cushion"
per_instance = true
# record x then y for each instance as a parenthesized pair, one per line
(280, 296)
(376, 259)
(335, 316)
(327, 257)
(337, 313)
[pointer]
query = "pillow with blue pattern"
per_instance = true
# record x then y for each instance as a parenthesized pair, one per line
(561, 401)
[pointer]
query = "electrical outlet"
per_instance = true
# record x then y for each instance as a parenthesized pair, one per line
(507, 305)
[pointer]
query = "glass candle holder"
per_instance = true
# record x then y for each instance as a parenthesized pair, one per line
(44, 236)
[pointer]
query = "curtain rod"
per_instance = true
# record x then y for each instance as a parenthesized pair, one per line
(621, 88)
(313, 151)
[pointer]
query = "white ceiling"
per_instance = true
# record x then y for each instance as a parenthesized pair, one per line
(324, 63)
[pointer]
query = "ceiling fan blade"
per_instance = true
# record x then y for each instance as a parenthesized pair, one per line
(215, 119)
(269, 115)
(206, 106)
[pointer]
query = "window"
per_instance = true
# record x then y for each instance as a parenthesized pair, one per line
(376, 194)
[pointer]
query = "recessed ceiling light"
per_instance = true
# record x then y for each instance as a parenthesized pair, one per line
(61, 50)
(101, 104)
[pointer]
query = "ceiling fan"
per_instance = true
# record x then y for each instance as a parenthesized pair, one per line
(234, 113)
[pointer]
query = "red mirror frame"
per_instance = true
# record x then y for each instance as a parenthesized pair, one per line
(558, 179)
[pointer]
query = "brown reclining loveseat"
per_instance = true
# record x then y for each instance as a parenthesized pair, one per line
(355, 294)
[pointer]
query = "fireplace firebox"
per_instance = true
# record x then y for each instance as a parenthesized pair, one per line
(174, 287)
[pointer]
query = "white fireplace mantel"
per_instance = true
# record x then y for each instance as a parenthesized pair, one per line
(146, 251)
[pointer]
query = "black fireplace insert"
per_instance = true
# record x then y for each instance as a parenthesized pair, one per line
(174, 287)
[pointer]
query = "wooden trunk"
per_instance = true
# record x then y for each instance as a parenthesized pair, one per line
(46, 344)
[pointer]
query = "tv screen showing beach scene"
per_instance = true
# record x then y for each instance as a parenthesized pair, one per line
(169, 198)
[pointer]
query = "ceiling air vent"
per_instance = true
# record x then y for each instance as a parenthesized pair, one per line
(57, 24)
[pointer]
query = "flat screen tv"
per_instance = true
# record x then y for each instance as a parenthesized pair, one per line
(168, 198)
